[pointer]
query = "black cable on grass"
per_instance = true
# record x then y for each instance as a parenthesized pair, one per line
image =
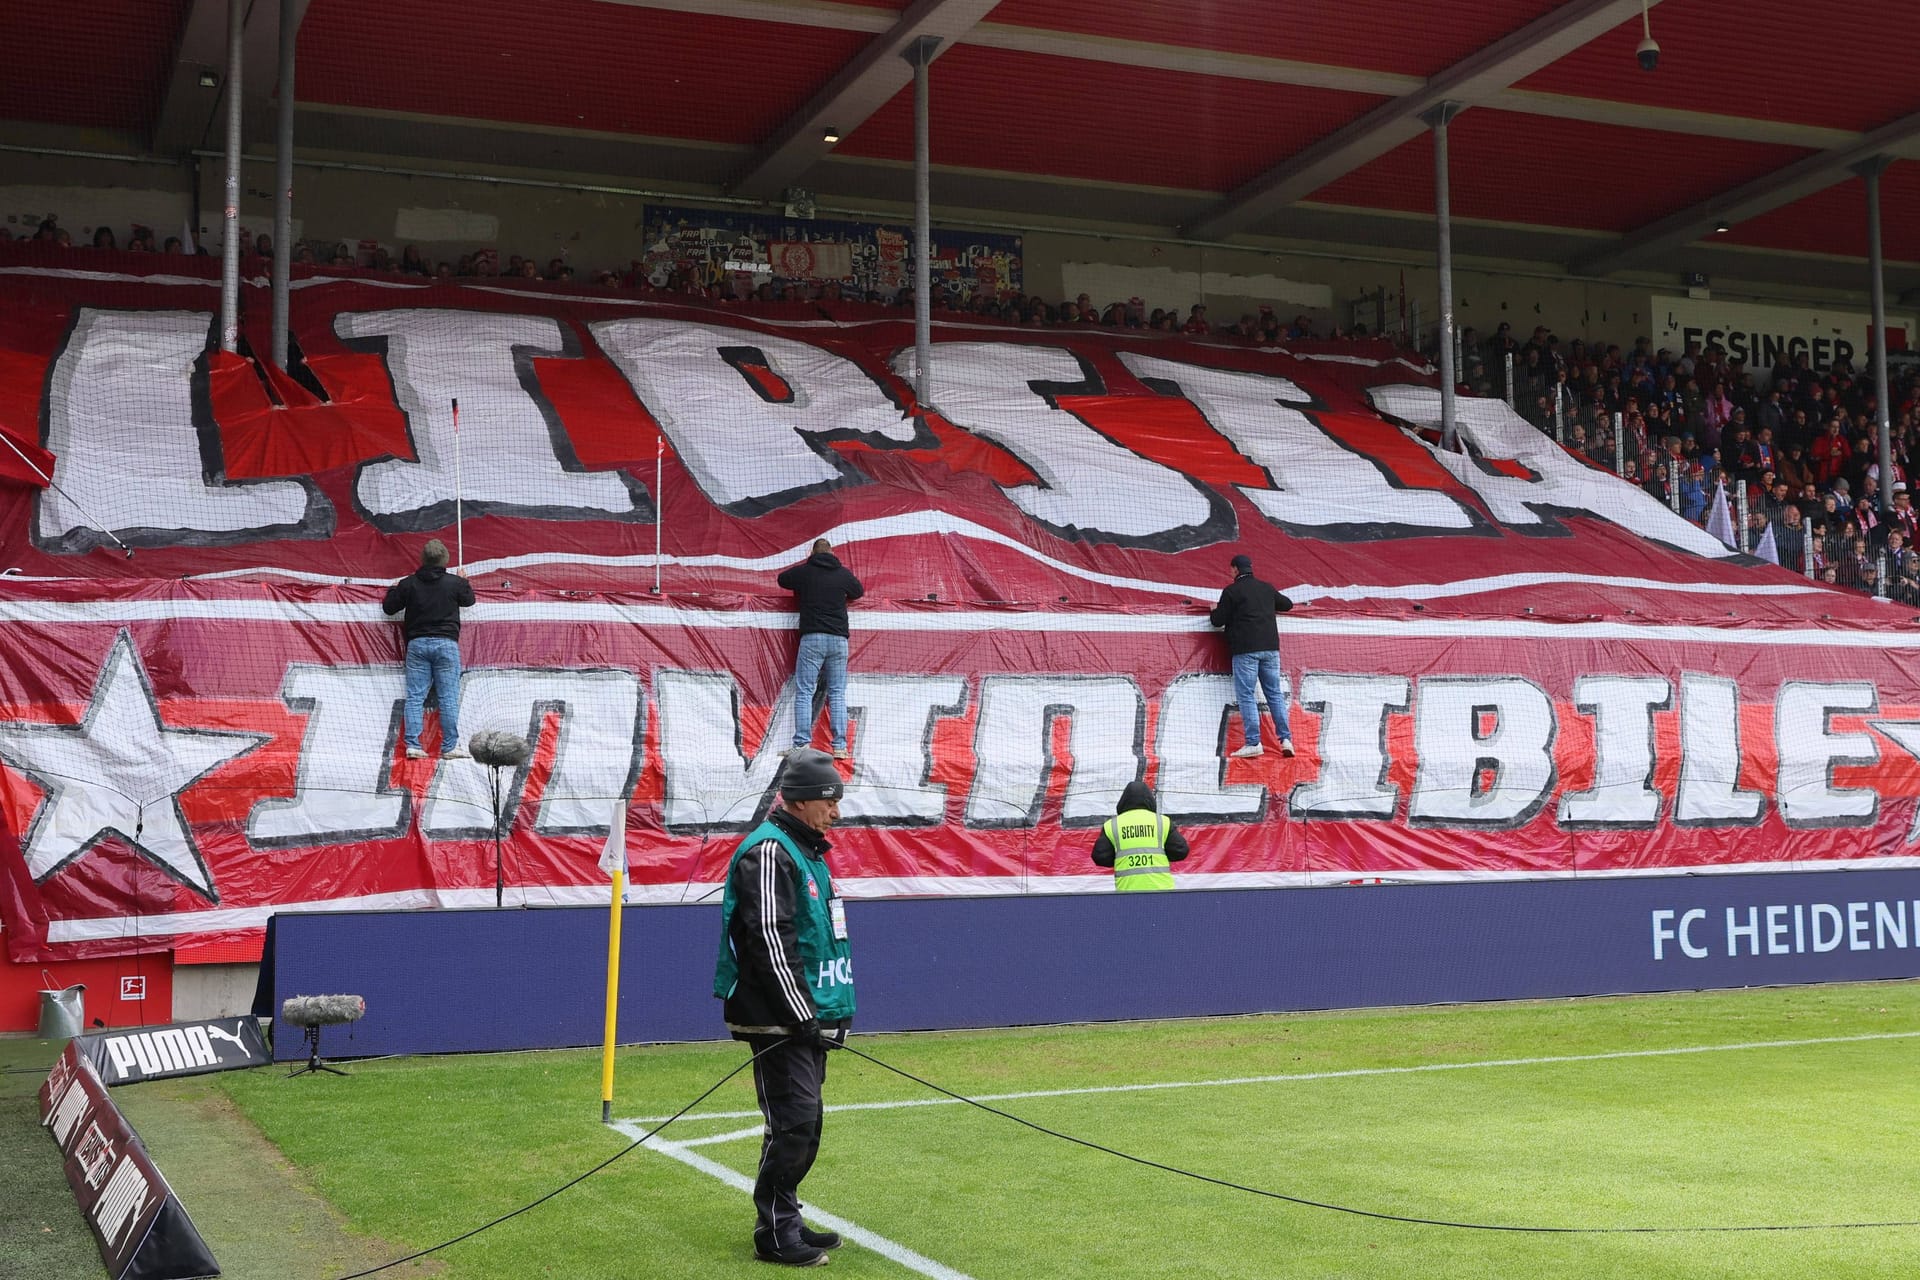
(1359, 1213)
(573, 1182)
(1139, 1160)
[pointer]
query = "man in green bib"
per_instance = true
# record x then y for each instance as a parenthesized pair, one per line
(1138, 843)
(787, 980)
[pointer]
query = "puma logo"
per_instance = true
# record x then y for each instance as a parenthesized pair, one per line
(233, 1036)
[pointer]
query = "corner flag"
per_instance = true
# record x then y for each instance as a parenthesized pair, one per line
(613, 858)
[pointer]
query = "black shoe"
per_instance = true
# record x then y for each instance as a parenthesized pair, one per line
(794, 1255)
(819, 1239)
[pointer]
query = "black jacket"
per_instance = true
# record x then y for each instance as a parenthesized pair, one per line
(1246, 610)
(1138, 795)
(823, 587)
(773, 996)
(433, 599)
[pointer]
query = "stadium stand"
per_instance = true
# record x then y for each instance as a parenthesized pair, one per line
(634, 419)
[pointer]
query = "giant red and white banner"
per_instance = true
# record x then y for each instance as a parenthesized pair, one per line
(1506, 663)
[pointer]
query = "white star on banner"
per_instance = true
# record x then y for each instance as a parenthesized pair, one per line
(1906, 734)
(120, 771)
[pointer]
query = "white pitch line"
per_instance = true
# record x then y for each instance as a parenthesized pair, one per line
(892, 1250)
(732, 1135)
(1296, 1077)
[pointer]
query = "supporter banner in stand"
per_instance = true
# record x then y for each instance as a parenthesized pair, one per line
(141, 1227)
(1505, 664)
(737, 252)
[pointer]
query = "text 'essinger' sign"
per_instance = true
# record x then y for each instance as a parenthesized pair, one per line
(1763, 336)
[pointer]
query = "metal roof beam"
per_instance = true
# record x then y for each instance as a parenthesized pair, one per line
(189, 110)
(261, 50)
(1513, 57)
(1775, 190)
(855, 92)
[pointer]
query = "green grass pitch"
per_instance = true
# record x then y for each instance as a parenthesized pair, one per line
(1627, 1112)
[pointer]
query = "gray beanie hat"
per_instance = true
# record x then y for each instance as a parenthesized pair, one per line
(810, 775)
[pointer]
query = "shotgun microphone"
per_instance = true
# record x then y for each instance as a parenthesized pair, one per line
(499, 749)
(322, 1011)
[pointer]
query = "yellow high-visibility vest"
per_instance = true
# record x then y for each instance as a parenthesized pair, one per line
(1139, 840)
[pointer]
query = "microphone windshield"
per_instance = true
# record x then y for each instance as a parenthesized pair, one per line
(497, 747)
(322, 1011)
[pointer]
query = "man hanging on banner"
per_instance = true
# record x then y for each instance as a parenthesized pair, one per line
(823, 588)
(1246, 613)
(432, 599)
(787, 979)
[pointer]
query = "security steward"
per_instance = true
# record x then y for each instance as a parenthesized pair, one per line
(1138, 843)
(785, 975)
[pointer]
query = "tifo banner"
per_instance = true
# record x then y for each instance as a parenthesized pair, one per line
(139, 1224)
(193, 764)
(1504, 663)
(1108, 468)
(181, 1049)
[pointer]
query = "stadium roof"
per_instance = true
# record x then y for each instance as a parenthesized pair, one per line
(1214, 119)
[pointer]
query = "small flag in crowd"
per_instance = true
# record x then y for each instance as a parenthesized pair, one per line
(1766, 550)
(1720, 518)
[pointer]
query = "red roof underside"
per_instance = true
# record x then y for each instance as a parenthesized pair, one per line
(1847, 66)
(111, 56)
(1377, 35)
(1119, 124)
(577, 64)
(1836, 219)
(607, 67)
(1572, 174)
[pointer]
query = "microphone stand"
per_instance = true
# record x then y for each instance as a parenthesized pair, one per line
(499, 863)
(313, 1062)
(496, 751)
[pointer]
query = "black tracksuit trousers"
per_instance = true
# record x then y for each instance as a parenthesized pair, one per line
(787, 1082)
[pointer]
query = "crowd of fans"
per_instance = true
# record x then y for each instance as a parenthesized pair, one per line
(652, 278)
(1799, 443)
(139, 239)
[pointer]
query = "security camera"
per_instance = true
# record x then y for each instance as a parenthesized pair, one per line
(1648, 53)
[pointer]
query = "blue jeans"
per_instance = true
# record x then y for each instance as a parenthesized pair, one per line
(1265, 669)
(820, 654)
(433, 660)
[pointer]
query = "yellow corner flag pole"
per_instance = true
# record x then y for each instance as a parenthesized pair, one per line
(613, 860)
